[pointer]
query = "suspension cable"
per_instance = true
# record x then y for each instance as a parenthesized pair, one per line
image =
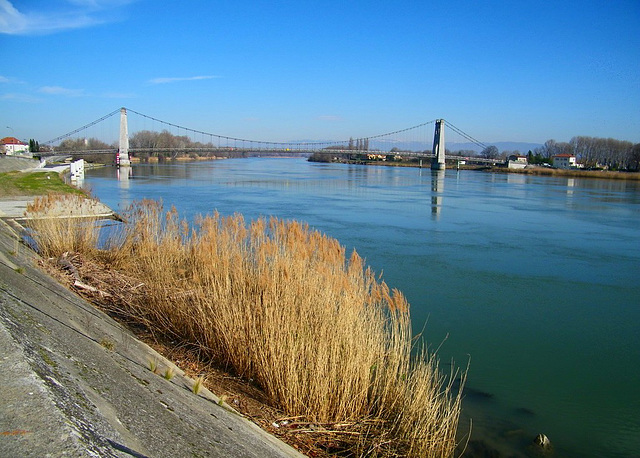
(225, 137)
(235, 140)
(62, 137)
(467, 136)
(398, 131)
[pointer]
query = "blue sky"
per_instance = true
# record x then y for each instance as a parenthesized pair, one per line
(283, 70)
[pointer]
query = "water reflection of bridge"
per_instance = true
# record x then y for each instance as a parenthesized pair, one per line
(437, 191)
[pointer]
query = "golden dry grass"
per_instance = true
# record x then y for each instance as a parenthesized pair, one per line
(285, 306)
(56, 235)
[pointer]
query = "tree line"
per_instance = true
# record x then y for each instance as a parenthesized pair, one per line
(34, 146)
(84, 144)
(596, 152)
(592, 152)
(159, 144)
(164, 140)
(361, 144)
(141, 139)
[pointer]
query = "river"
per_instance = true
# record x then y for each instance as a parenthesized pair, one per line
(533, 281)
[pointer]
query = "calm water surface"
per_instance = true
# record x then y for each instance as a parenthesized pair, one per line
(535, 280)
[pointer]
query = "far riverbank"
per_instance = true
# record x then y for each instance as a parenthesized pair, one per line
(571, 173)
(529, 170)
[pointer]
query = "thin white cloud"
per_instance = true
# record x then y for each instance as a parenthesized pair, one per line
(10, 80)
(57, 16)
(22, 98)
(57, 90)
(10, 17)
(176, 79)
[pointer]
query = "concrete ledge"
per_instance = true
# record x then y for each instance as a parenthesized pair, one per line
(15, 208)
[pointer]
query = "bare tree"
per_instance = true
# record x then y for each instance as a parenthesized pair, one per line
(634, 161)
(490, 152)
(603, 152)
(144, 139)
(82, 144)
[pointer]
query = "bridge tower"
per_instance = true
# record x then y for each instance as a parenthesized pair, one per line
(123, 150)
(437, 163)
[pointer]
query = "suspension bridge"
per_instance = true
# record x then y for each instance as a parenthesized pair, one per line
(200, 142)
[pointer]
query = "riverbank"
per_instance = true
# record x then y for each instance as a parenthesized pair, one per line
(529, 170)
(569, 173)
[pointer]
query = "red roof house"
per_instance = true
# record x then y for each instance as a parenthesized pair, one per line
(11, 146)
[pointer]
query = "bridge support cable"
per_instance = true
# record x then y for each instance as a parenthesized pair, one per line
(254, 144)
(389, 134)
(467, 136)
(79, 129)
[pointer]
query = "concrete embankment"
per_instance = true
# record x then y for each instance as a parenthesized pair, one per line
(76, 383)
(13, 163)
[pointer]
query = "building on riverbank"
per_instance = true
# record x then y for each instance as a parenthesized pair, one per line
(11, 146)
(517, 161)
(565, 161)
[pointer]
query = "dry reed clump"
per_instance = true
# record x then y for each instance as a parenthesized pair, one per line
(283, 305)
(55, 234)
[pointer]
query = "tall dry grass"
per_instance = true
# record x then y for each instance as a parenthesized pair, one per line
(55, 234)
(285, 306)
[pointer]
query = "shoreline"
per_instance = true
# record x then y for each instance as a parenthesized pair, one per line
(570, 173)
(529, 170)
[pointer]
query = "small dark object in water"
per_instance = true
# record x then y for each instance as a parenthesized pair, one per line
(524, 411)
(477, 393)
(480, 449)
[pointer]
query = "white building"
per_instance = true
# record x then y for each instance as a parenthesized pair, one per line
(517, 161)
(11, 146)
(564, 161)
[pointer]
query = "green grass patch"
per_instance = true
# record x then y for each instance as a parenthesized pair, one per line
(34, 184)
